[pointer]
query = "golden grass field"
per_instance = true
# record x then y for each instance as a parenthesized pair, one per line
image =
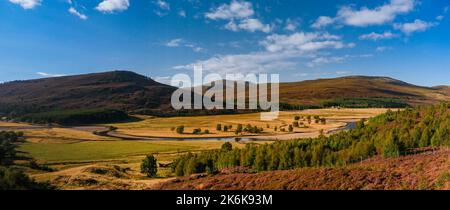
(77, 154)
(162, 127)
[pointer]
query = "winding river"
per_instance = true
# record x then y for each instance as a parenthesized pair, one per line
(102, 131)
(290, 136)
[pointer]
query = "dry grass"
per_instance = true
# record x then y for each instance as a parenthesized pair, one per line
(61, 135)
(162, 127)
(12, 124)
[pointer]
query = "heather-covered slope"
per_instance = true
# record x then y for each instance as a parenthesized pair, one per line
(314, 92)
(428, 170)
(121, 90)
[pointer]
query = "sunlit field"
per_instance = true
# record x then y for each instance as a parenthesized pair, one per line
(164, 127)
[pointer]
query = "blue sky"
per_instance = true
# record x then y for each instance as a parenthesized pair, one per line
(307, 39)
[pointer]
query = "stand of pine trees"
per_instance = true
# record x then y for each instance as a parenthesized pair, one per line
(390, 134)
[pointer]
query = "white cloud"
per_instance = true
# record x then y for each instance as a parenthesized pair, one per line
(302, 42)
(342, 72)
(182, 43)
(194, 47)
(182, 13)
(291, 25)
(26, 4)
(440, 17)
(110, 6)
(377, 16)
(232, 26)
(416, 26)
(162, 4)
(364, 16)
(234, 10)
(73, 11)
(325, 60)
(322, 21)
(239, 15)
(43, 74)
(383, 48)
(174, 43)
(244, 63)
(282, 52)
(250, 25)
(351, 45)
(163, 8)
(376, 36)
(323, 74)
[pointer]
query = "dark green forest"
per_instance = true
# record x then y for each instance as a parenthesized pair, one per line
(391, 134)
(366, 103)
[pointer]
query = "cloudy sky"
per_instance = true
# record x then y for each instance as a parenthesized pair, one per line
(299, 39)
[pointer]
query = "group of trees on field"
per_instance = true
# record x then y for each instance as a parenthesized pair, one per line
(196, 131)
(390, 134)
(224, 128)
(253, 129)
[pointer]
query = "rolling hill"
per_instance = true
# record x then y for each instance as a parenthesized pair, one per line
(314, 92)
(123, 90)
(131, 92)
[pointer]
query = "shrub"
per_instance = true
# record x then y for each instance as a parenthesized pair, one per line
(14, 179)
(197, 131)
(180, 129)
(219, 127)
(239, 128)
(227, 146)
(291, 128)
(149, 167)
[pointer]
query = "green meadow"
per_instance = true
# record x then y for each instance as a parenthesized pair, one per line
(91, 151)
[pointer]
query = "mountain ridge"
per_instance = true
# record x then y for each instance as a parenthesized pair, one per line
(129, 91)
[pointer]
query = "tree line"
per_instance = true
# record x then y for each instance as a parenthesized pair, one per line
(391, 134)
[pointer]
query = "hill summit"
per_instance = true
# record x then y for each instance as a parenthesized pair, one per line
(124, 90)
